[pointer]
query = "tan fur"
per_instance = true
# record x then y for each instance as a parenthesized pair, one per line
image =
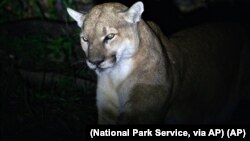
(146, 78)
(208, 65)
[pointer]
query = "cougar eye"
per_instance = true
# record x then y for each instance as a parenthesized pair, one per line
(109, 37)
(85, 39)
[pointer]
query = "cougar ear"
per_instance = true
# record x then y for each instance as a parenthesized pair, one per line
(133, 14)
(77, 16)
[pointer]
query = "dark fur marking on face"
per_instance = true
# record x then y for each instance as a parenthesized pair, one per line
(104, 30)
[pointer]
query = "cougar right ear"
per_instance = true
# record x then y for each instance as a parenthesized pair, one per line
(77, 16)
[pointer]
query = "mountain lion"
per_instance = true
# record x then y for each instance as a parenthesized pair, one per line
(145, 78)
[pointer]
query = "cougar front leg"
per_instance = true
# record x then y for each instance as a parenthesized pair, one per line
(107, 109)
(145, 106)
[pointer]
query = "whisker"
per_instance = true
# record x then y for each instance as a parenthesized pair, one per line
(124, 55)
(77, 62)
(81, 69)
(83, 66)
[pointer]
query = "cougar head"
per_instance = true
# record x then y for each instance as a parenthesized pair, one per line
(109, 33)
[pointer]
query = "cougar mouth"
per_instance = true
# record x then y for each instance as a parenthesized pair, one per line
(102, 65)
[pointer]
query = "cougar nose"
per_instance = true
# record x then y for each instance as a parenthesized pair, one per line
(96, 61)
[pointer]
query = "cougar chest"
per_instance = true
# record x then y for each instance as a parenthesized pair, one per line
(109, 90)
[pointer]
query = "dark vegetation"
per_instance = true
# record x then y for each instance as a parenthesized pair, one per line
(47, 92)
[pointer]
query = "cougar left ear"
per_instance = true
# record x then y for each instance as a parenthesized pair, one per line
(77, 16)
(133, 14)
